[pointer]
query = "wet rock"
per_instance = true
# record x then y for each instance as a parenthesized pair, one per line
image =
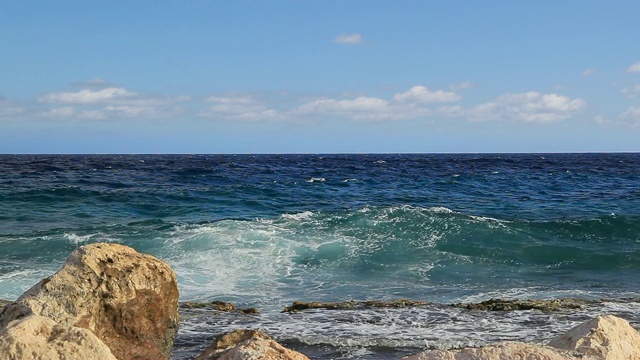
(217, 306)
(604, 337)
(501, 351)
(3, 303)
(350, 305)
(511, 305)
(248, 345)
(127, 299)
(37, 338)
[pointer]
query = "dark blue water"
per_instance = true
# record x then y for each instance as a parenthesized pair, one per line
(265, 230)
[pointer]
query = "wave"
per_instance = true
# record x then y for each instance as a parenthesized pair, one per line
(433, 254)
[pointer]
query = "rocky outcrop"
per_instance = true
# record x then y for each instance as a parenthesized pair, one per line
(127, 299)
(217, 306)
(604, 337)
(542, 305)
(248, 345)
(37, 337)
(351, 305)
(501, 351)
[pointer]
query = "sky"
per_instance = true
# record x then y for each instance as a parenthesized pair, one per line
(294, 76)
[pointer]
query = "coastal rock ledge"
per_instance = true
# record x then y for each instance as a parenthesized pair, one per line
(126, 299)
(602, 338)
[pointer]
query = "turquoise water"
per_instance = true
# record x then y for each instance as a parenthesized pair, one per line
(266, 230)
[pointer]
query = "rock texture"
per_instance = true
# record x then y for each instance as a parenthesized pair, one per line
(542, 305)
(37, 338)
(217, 306)
(3, 303)
(127, 299)
(248, 345)
(604, 337)
(350, 305)
(501, 351)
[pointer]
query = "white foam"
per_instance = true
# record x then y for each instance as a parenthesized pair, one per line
(77, 239)
(14, 283)
(298, 216)
(316, 179)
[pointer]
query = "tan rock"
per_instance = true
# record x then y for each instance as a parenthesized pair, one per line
(604, 337)
(127, 299)
(248, 345)
(37, 338)
(500, 351)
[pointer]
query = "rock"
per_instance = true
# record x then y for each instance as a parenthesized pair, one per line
(218, 306)
(248, 345)
(37, 337)
(500, 351)
(543, 305)
(3, 303)
(604, 337)
(127, 299)
(350, 305)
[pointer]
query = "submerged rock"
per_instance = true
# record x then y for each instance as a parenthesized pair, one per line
(37, 337)
(605, 337)
(350, 305)
(218, 306)
(127, 299)
(248, 345)
(510, 305)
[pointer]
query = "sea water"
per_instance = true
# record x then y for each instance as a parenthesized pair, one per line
(266, 230)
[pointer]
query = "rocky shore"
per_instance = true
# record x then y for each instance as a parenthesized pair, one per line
(110, 302)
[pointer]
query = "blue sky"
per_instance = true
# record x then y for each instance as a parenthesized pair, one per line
(319, 76)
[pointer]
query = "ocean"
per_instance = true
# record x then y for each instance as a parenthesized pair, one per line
(266, 230)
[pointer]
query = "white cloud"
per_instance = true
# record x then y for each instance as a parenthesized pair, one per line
(9, 109)
(631, 116)
(88, 96)
(527, 107)
(634, 68)
(631, 92)
(348, 39)
(588, 72)
(66, 112)
(362, 109)
(599, 119)
(112, 112)
(239, 107)
(462, 86)
(95, 83)
(421, 94)
(109, 96)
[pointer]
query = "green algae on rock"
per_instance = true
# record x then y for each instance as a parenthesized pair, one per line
(352, 305)
(218, 306)
(542, 305)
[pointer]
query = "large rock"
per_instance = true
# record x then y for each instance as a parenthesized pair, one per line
(604, 337)
(37, 338)
(248, 345)
(500, 351)
(127, 299)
